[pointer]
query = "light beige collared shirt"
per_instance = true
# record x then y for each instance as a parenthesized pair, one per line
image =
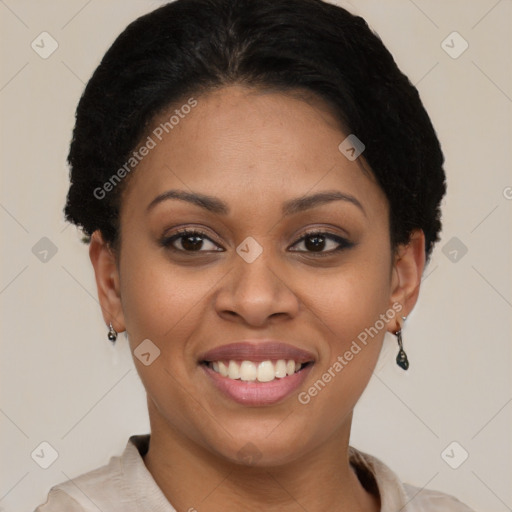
(125, 485)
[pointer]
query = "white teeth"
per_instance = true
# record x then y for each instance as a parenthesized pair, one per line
(223, 369)
(265, 371)
(281, 368)
(248, 370)
(233, 370)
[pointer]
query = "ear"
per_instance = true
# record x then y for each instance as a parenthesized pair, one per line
(407, 271)
(103, 260)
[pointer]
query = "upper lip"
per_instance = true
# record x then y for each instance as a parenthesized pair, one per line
(257, 351)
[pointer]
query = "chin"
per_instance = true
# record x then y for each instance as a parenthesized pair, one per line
(259, 447)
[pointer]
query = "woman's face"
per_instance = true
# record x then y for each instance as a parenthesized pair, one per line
(258, 271)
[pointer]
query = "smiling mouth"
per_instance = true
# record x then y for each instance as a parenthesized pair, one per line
(257, 371)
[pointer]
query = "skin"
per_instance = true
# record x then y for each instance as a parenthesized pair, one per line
(254, 150)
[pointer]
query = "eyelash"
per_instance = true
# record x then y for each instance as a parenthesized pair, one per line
(167, 242)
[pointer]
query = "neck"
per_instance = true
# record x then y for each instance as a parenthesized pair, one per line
(192, 477)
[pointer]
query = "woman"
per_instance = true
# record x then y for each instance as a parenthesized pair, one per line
(260, 188)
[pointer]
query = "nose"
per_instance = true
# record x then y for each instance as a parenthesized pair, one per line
(256, 293)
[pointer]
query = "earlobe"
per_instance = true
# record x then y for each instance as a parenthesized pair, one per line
(106, 273)
(408, 269)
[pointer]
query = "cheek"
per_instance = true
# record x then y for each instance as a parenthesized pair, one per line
(349, 309)
(160, 301)
(353, 298)
(349, 304)
(163, 304)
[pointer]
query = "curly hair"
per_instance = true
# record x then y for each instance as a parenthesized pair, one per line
(192, 46)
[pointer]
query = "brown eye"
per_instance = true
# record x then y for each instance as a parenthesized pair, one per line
(322, 243)
(315, 242)
(190, 241)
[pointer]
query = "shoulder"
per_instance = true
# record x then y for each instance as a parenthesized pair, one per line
(105, 488)
(87, 492)
(429, 500)
(396, 495)
(59, 501)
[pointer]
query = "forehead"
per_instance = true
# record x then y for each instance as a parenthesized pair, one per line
(247, 145)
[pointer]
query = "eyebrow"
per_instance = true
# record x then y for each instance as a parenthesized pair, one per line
(306, 202)
(290, 207)
(209, 203)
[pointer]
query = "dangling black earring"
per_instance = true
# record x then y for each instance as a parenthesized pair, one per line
(401, 358)
(112, 333)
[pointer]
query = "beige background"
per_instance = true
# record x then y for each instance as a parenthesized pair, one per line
(62, 383)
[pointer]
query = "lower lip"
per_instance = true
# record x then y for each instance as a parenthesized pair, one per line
(257, 393)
